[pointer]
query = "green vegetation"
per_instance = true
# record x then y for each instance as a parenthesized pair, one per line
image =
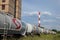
(35, 37)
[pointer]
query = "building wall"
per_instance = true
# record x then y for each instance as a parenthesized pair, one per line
(18, 9)
(6, 2)
(10, 6)
(6, 5)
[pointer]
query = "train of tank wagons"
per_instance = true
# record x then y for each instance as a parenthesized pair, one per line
(13, 26)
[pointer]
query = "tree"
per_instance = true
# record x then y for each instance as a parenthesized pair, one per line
(54, 30)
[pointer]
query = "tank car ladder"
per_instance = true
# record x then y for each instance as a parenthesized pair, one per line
(5, 30)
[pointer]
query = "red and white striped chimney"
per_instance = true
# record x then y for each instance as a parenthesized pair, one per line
(39, 19)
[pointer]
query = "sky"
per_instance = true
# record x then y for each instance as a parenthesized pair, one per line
(49, 9)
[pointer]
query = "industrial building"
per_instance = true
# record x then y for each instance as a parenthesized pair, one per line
(11, 7)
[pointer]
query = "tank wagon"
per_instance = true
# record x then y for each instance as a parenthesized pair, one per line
(9, 25)
(29, 29)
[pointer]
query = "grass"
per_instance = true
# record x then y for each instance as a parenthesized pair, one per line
(35, 37)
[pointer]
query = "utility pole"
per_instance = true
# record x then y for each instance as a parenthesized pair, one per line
(15, 10)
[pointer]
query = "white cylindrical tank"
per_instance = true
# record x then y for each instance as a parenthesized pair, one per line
(6, 23)
(41, 29)
(29, 28)
(36, 30)
(23, 28)
(13, 25)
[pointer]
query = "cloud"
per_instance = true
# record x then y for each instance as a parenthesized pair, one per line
(46, 13)
(58, 17)
(49, 20)
(36, 13)
(29, 13)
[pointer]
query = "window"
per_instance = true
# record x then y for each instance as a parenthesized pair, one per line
(3, 0)
(3, 7)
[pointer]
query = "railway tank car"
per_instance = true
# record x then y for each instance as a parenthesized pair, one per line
(11, 25)
(36, 30)
(29, 28)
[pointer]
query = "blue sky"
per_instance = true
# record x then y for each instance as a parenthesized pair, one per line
(49, 9)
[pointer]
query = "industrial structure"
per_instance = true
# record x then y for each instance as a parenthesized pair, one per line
(39, 19)
(11, 7)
